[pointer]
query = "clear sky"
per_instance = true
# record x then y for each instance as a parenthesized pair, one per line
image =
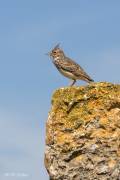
(89, 32)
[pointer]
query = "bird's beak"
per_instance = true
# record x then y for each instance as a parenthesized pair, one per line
(48, 54)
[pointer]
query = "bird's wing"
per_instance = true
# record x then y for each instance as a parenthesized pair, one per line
(74, 68)
(68, 65)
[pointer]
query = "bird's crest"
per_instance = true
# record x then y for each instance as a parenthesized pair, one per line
(57, 46)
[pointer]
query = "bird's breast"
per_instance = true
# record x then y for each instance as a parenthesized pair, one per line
(67, 74)
(57, 61)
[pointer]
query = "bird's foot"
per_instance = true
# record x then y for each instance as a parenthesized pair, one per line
(73, 82)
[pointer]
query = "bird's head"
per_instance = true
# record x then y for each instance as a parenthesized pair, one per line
(56, 52)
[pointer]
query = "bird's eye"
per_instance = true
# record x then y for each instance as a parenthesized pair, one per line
(54, 52)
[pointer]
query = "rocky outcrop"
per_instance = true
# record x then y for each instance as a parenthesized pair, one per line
(83, 133)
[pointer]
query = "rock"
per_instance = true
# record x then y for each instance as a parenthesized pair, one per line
(83, 133)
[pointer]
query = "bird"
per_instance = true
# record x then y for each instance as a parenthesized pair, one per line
(67, 66)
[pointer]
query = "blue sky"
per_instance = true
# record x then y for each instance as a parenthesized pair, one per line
(89, 32)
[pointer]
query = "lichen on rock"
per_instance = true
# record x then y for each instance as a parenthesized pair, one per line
(83, 133)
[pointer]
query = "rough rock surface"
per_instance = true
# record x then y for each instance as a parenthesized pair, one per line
(83, 133)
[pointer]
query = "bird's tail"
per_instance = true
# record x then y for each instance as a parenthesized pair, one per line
(89, 80)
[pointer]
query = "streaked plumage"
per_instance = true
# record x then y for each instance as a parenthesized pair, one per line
(68, 67)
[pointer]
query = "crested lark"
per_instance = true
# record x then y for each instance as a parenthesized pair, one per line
(68, 67)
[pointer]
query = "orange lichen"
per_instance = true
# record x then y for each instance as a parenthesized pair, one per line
(83, 130)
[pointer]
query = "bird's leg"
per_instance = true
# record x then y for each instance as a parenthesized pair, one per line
(73, 82)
